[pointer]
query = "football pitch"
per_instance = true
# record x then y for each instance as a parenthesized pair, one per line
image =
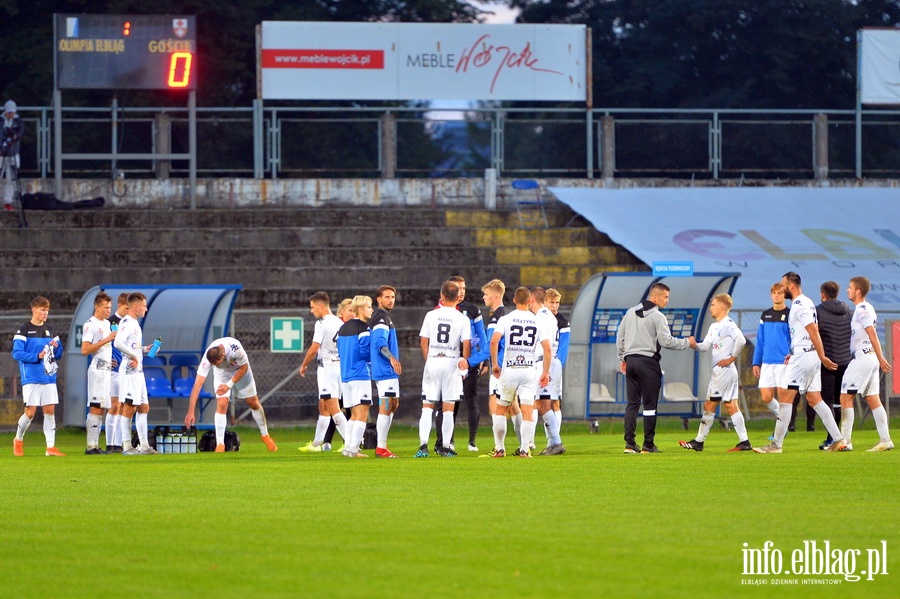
(590, 523)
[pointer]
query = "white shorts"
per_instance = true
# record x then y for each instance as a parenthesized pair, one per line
(494, 386)
(770, 375)
(329, 378)
(863, 376)
(723, 384)
(37, 394)
(243, 389)
(133, 388)
(388, 388)
(803, 372)
(355, 393)
(441, 380)
(114, 384)
(517, 382)
(553, 390)
(98, 387)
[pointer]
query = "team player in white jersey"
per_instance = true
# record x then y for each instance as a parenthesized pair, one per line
(445, 340)
(560, 353)
(324, 350)
(523, 339)
(96, 341)
(231, 374)
(113, 416)
(802, 374)
(553, 389)
(132, 385)
(726, 341)
(862, 374)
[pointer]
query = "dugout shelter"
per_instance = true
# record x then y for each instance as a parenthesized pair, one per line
(592, 383)
(187, 317)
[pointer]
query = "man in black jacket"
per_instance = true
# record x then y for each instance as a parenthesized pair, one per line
(834, 327)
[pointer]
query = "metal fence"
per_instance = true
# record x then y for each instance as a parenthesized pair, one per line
(353, 141)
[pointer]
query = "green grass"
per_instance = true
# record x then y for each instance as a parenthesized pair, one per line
(590, 523)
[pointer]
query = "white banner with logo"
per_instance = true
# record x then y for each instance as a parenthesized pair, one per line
(420, 61)
(761, 233)
(880, 66)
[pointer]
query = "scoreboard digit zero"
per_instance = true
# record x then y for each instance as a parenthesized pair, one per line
(125, 51)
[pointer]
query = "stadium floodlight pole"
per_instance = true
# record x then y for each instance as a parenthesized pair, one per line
(858, 104)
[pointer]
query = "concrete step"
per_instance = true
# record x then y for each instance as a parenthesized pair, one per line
(558, 216)
(233, 240)
(179, 257)
(575, 256)
(569, 236)
(237, 218)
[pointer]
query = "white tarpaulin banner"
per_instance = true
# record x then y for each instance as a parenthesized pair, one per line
(421, 61)
(822, 234)
(880, 66)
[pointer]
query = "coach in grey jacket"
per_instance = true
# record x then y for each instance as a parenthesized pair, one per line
(643, 331)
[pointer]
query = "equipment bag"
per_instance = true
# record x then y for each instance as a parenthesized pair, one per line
(208, 441)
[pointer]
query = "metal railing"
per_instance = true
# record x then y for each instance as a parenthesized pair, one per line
(302, 141)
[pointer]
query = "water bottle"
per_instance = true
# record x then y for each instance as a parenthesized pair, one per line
(114, 328)
(154, 349)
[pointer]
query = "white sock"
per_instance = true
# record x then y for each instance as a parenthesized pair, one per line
(737, 419)
(117, 430)
(517, 426)
(447, 428)
(557, 425)
(93, 424)
(425, 425)
(140, 423)
(340, 424)
(260, 417)
(781, 425)
(773, 407)
(357, 429)
(220, 420)
(527, 434)
(881, 424)
(848, 415)
(111, 423)
(125, 432)
(827, 417)
(321, 428)
(382, 426)
(706, 422)
(550, 425)
(50, 429)
(499, 427)
(24, 423)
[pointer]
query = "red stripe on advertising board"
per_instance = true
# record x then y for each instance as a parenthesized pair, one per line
(322, 59)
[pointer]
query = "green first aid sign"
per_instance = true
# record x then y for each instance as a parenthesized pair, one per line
(286, 335)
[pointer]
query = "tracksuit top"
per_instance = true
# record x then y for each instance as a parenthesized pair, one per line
(353, 348)
(773, 337)
(29, 341)
(383, 333)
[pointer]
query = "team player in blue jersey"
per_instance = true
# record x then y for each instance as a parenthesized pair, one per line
(36, 348)
(353, 343)
(773, 345)
(386, 367)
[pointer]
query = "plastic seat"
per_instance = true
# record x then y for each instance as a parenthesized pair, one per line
(531, 212)
(183, 366)
(600, 393)
(675, 392)
(157, 361)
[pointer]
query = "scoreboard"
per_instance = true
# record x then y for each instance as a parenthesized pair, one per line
(125, 51)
